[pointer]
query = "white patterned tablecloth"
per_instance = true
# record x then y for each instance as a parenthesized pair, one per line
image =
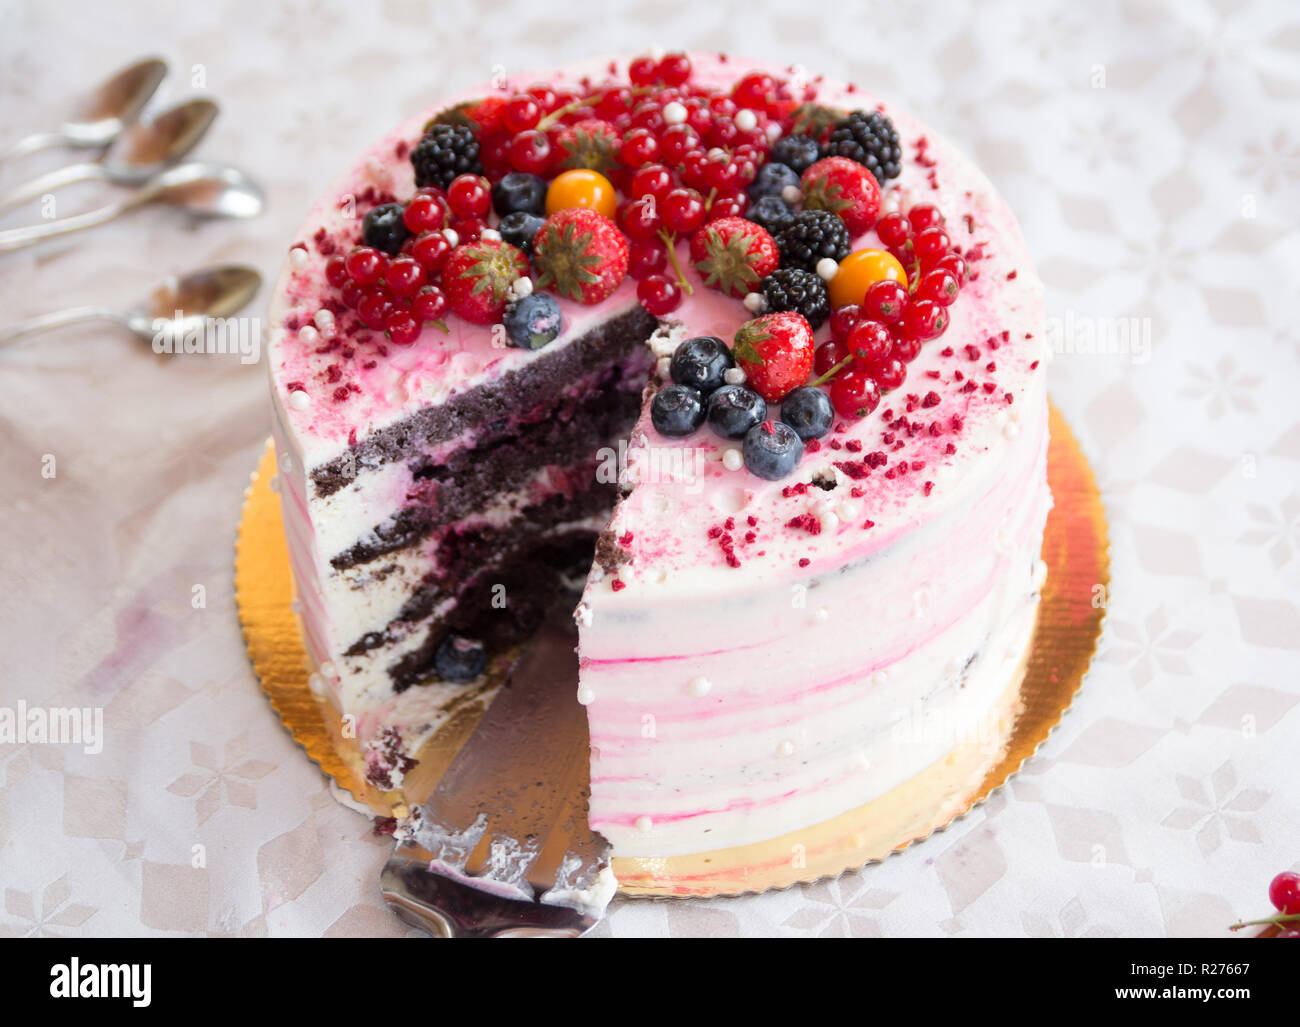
(1152, 153)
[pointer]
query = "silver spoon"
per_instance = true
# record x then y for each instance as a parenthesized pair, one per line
(102, 115)
(175, 307)
(139, 153)
(203, 190)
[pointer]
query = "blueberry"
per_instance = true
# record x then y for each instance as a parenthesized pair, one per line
(384, 229)
(520, 229)
(772, 180)
(533, 321)
(677, 410)
(701, 362)
(808, 411)
(772, 212)
(518, 191)
(459, 658)
(771, 450)
(734, 409)
(797, 152)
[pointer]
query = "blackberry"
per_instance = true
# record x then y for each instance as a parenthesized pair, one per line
(772, 212)
(868, 137)
(384, 229)
(810, 236)
(519, 229)
(796, 151)
(790, 288)
(445, 152)
(772, 180)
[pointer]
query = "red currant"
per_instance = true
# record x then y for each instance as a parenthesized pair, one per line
(869, 342)
(432, 250)
(1284, 892)
(923, 216)
(957, 265)
(365, 265)
(732, 205)
(695, 166)
(336, 271)
(659, 295)
(931, 246)
(924, 320)
(827, 355)
(404, 276)
(494, 152)
(521, 113)
(646, 257)
(374, 307)
(682, 210)
(938, 285)
(676, 141)
(674, 69)
(722, 175)
(424, 214)
(650, 116)
(641, 71)
(530, 152)
(547, 98)
(351, 293)
(885, 301)
(893, 230)
(469, 196)
(890, 373)
(723, 132)
(614, 102)
(402, 327)
(639, 147)
(905, 348)
(468, 229)
(430, 303)
(843, 320)
(854, 393)
(640, 218)
(753, 90)
(651, 180)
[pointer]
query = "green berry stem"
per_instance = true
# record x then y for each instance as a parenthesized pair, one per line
(559, 112)
(833, 371)
(670, 239)
(1273, 921)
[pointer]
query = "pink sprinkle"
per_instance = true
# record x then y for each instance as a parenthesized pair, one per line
(931, 399)
(617, 585)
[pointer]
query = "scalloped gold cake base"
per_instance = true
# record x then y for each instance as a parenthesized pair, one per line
(1040, 690)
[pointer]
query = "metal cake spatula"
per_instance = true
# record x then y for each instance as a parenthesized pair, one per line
(502, 848)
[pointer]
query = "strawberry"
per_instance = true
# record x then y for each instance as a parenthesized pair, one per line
(732, 255)
(843, 187)
(776, 353)
(590, 143)
(477, 278)
(581, 255)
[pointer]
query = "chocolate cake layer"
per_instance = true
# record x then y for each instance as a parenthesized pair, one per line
(534, 385)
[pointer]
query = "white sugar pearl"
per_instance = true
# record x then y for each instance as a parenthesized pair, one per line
(490, 233)
(325, 322)
(520, 288)
(309, 335)
(773, 132)
(699, 686)
(786, 748)
(879, 678)
(299, 400)
(792, 194)
(746, 120)
(450, 235)
(674, 113)
(822, 615)
(644, 824)
(585, 695)
(826, 269)
(297, 257)
(755, 303)
(829, 521)
(732, 460)
(717, 153)
(663, 367)
(734, 375)
(1010, 430)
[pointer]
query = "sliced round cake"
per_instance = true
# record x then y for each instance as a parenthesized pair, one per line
(757, 354)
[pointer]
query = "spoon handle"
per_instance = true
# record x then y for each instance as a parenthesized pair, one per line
(50, 181)
(16, 238)
(32, 143)
(46, 322)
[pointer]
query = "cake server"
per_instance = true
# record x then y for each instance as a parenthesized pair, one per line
(184, 304)
(503, 848)
(102, 115)
(139, 153)
(202, 190)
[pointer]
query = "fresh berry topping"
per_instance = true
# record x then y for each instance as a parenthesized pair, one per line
(402, 327)
(445, 152)
(773, 180)
(639, 146)
(640, 218)
(894, 230)
(469, 196)
(772, 212)
(532, 322)
(404, 276)
(430, 304)
(775, 351)
(682, 210)
(432, 250)
(652, 180)
(580, 254)
(931, 246)
(658, 294)
(812, 236)
(336, 271)
(869, 343)
(923, 216)
(734, 409)
(673, 69)
(384, 229)
(646, 257)
(859, 270)
(890, 373)
(905, 348)
(460, 659)
(808, 411)
(796, 151)
(1284, 892)
(365, 264)
(641, 71)
(771, 450)
(733, 255)
(868, 137)
(531, 152)
(427, 211)
(522, 113)
(957, 266)
(828, 356)
(842, 187)
(520, 228)
(855, 394)
(844, 319)
(518, 191)
(885, 301)
(477, 279)
(939, 285)
(582, 188)
(790, 288)
(374, 306)
(924, 320)
(591, 143)
(701, 362)
(676, 410)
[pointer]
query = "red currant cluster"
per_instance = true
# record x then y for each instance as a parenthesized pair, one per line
(399, 294)
(1284, 893)
(872, 342)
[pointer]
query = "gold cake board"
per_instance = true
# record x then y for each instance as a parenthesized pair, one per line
(1039, 691)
